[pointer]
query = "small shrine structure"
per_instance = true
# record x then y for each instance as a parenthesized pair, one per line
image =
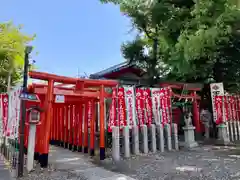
(130, 74)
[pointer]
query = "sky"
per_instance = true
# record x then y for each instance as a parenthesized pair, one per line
(73, 36)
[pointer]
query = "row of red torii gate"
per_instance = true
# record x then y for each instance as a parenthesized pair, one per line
(76, 111)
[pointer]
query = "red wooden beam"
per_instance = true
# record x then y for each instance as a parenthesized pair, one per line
(62, 87)
(76, 100)
(70, 92)
(67, 92)
(186, 96)
(181, 86)
(45, 86)
(69, 80)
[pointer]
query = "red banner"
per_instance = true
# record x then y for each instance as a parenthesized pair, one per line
(4, 109)
(238, 107)
(129, 96)
(219, 108)
(140, 106)
(163, 105)
(148, 105)
(169, 104)
(113, 111)
(89, 106)
(233, 107)
(229, 109)
(226, 108)
(121, 107)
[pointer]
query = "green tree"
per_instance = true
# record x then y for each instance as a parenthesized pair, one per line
(186, 40)
(12, 45)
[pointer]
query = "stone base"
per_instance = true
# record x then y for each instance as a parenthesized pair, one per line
(221, 142)
(223, 138)
(189, 137)
(190, 145)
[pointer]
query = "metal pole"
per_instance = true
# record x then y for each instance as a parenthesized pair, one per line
(23, 113)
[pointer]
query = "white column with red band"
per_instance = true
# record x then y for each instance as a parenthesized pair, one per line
(156, 104)
(113, 111)
(121, 107)
(148, 106)
(130, 104)
(140, 106)
(89, 107)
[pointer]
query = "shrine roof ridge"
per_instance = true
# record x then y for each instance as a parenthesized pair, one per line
(112, 69)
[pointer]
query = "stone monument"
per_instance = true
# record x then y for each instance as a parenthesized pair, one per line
(189, 135)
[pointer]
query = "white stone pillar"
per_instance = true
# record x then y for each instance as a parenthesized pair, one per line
(144, 139)
(235, 130)
(238, 129)
(231, 130)
(115, 143)
(31, 146)
(153, 145)
(223, 137)
(167, 135)
(175, 136)
(227, 129)
(126, 141)
(135, 140)
(160, 137)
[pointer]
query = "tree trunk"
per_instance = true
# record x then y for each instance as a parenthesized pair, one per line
(217, 72)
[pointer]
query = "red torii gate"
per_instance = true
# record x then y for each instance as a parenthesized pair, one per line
(80, 89)
(193, 88)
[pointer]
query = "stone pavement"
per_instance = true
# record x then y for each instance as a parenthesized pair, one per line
(65, 164)
(202, 163)
(4, 170)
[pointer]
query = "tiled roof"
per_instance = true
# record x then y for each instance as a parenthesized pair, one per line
(111, 69)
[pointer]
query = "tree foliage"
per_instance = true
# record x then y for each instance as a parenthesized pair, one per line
(12, 45)
(185, 40)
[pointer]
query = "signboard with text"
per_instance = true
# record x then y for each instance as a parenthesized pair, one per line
(59, 99)
(29, 97)
(216, 89)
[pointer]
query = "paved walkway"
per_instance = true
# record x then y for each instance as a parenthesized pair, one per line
(65, 164)
(4, 170)
(202, 163)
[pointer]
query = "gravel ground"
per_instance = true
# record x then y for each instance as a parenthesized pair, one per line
(203, 163)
